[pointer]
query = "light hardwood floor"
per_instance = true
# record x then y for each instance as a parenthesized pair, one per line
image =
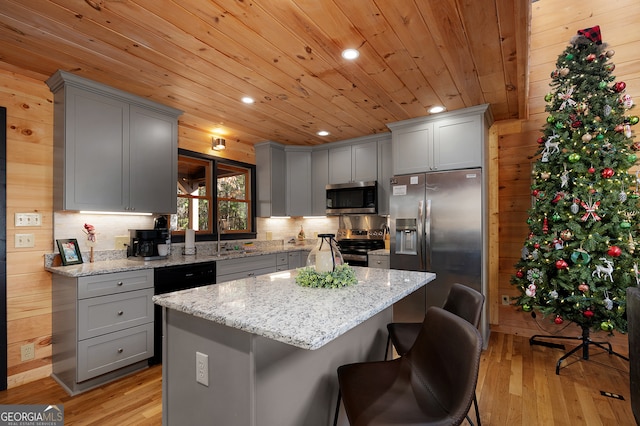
(517, 386)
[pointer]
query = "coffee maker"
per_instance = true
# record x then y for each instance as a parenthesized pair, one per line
(143, 243)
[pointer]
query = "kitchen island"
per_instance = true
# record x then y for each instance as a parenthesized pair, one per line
(271, 347)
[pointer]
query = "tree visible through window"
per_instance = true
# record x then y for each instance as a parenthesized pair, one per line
(234, 199)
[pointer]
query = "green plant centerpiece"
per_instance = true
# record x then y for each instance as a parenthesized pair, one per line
(342, 276)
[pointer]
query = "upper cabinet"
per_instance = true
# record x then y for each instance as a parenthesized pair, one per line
(299, 178)
(319, 181)
(454, 140)
(271, 176)
(353, 162)
(113, 151)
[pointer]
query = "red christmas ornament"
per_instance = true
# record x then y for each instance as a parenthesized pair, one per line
(576, 124)
(540, 141)
(519, 273)
(559, 196)
(619, 86)
(558, 320)
(536, 245)
(588, 313)
(545, 225)
(591, 57)
(583, 287)
(614, 251)
(535, 192)
(607, 173)
(619, 128)
(592, 170)
(561, 264)
(636, 146)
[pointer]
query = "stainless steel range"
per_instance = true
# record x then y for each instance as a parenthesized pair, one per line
(359, 235)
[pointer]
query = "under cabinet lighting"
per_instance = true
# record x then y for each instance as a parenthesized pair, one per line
(115, 213)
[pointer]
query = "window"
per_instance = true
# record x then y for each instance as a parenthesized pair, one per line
(234, 198)
(194, 195)
(201, 204)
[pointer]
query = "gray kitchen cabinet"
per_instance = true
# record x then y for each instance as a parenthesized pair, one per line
(282, 262)
(113, 151)
(271, 177)
(298, 184)
(380, 261)
(102, 327)
(353, 162)
(448, 141)
(245, 267)
(385, 173)
(319, 181)
(298, 259)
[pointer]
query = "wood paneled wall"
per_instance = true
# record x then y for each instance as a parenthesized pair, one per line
(553, 24)
(29, 189)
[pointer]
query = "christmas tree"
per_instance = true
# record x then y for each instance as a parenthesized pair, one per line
(579, 256)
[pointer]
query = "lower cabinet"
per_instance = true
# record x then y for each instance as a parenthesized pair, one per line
(378, 261)
(245, 267)
(102, 327)
(252, 266)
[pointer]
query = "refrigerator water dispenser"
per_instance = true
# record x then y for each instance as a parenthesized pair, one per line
(407, 236)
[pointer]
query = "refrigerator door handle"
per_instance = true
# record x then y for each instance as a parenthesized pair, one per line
(427, 237)
(420, 236)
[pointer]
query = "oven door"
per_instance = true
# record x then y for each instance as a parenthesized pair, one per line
(355, 251)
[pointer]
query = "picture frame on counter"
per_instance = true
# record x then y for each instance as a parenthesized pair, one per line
(69, 251)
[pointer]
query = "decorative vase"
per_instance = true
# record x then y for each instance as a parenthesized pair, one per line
(326, 255)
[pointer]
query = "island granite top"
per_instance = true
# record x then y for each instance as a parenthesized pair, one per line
(274, 306)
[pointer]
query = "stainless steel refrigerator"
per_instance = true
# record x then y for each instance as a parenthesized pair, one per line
(436, 225)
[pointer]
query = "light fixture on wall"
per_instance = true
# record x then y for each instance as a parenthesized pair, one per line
(218, 144)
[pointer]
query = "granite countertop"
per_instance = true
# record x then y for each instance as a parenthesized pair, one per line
(130, 264)
(274, 306)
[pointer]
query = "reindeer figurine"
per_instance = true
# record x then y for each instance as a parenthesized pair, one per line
(604, 270)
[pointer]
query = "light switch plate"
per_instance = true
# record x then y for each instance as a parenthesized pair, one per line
(25, 240)
(28, 219)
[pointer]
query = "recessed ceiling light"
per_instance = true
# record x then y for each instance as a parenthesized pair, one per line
(436, 109)
(248, 100)
(323, 133)
(350, 54)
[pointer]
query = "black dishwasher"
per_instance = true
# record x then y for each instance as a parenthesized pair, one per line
(173, 278)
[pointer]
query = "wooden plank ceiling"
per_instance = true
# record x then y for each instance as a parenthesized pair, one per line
(203, 56)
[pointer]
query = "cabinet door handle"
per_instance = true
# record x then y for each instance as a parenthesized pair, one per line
(120, 283)
(120, 313)
(120, 350)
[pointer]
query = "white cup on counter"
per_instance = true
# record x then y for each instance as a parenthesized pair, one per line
(163, 249)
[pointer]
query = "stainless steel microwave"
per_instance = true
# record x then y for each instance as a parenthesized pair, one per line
(352, 198)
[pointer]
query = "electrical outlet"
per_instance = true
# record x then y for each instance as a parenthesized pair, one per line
(202, 368)
(25, 240)
(122, 242)
(27, 352)
(28, 219)
(505, 299)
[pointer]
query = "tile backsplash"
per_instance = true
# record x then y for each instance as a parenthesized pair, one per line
(108, 227)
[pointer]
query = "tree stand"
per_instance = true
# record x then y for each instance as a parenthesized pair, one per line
(586, 341)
